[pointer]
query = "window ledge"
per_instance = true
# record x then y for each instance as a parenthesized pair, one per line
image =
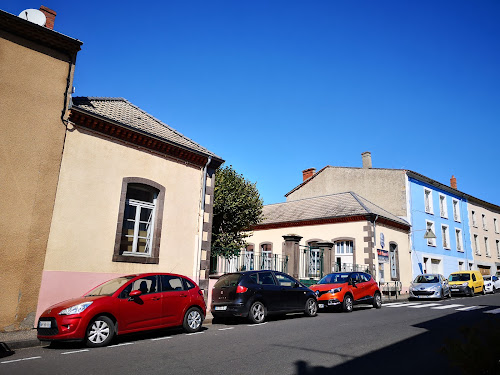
(136, 259)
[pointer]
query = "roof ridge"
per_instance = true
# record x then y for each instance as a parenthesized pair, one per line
(355, 196)
(303, 199)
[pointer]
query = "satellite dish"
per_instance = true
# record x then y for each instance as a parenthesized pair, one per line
(33, 15)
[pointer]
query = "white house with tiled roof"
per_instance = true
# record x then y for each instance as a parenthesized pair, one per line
(350, 230)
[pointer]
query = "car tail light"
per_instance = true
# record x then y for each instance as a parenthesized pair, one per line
(241, 289)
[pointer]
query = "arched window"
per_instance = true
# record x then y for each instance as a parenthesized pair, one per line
(248, 258)
(139, 222)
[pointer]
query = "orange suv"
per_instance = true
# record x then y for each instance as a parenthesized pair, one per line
(346, 289)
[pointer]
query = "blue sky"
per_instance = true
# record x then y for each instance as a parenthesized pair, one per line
(275, 87)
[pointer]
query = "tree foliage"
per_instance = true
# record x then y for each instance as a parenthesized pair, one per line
(237, 207)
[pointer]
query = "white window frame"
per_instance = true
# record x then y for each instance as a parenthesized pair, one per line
(443, 206)
(456, 210)
(495, 224)
(483, 221)
(445, 232)
(476, 244)
(498, 248)
(429, 207)
(342, 248)
(487, 247)
(473, 217)
(139, 205)
(458, 237)
(430, 225)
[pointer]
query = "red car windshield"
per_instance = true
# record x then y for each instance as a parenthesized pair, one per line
(108, 288)
(335, 278)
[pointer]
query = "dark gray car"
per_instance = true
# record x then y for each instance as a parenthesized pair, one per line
(429, 285)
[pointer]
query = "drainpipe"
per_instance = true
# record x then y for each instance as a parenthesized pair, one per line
(201, 221)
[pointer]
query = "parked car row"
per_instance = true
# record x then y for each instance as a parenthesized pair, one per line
(159, 300)
(460, 282)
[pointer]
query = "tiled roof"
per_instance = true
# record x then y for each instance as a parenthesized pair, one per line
(325, 207)
(121, 111)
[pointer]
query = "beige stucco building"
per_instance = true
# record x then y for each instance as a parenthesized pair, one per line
(484, 221)
(354, 234)
(134, 195)
(36, 70)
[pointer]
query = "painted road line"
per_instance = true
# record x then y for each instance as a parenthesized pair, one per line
(76, 351)
(225, 329)
(122, 344)
(194, 333)
(446, 307)
(22, 359)
(404, 304)
(468, 308)
(161, 338)
(394, 304)
(425, 305)
(255, 325)
(496, 311)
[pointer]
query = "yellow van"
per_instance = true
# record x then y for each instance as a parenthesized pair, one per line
(466, 282)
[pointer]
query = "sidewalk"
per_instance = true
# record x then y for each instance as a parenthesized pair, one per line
(25, 339)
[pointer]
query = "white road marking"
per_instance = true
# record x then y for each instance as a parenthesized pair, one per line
(255, 325)
(394, 304)
(122, 344)
(425, 305)
(403, 304)
(225, 329)
(22, 359)
(446, 307)
(496, 311)
(76, 351)
(194, 333)
(161, 338)
(467, 308)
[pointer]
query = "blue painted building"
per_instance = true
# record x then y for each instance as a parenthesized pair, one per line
(443, 210)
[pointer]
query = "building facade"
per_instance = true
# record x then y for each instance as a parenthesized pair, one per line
(36, 66)
(484, 220)
(352, 232)
(134, 196)
(456, 218)
(443, 210)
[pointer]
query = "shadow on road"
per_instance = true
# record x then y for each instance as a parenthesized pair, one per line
(462, 343)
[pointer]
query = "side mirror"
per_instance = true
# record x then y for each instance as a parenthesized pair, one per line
(133, 294)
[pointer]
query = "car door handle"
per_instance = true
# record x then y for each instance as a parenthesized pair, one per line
(183, 295)
(156, 299)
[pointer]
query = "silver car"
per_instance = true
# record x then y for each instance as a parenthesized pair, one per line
(429, 285)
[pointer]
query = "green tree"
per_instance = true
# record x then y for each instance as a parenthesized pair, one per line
(237, 207)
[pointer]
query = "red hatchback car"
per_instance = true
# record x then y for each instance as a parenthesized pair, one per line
(123, 305)
(346, 289)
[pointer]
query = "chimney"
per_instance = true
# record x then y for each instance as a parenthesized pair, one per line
(308, 173)
(367, 159)
(453, 182)
(50, 15)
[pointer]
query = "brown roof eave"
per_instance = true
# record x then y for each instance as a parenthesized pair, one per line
(76, 112)
(215, 161)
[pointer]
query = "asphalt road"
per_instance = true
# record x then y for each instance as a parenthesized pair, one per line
(406, 337)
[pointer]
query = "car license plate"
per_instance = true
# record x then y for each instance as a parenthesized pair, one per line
(454, 290)
(220, 308)
(320, 305)
(44, 324)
